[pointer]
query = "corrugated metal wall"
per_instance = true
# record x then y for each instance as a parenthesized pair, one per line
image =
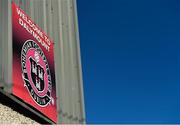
(5, 44)
(58, 19)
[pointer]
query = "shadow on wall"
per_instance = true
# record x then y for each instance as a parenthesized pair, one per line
(18, 108)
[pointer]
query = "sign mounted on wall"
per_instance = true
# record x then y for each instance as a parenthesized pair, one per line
(33, 65)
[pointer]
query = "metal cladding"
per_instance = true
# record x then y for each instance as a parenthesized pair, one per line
(58, 19)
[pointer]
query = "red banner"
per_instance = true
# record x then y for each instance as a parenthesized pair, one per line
(33, 65)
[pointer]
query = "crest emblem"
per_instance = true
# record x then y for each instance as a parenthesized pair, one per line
(36, 73)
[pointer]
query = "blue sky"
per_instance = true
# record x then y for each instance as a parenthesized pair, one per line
(131, 61)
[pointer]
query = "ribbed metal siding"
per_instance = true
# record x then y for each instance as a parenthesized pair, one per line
(58, 19)
(5, 44)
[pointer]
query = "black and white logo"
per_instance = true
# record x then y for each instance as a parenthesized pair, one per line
(36, 73)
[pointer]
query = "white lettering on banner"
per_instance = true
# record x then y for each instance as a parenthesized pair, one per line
(25, 26)
(33, 29)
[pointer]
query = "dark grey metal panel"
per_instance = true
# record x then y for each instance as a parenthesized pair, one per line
(6, 45)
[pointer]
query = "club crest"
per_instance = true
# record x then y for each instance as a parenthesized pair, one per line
(36, 73)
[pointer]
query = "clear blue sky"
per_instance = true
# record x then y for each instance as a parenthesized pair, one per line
(131, 60)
